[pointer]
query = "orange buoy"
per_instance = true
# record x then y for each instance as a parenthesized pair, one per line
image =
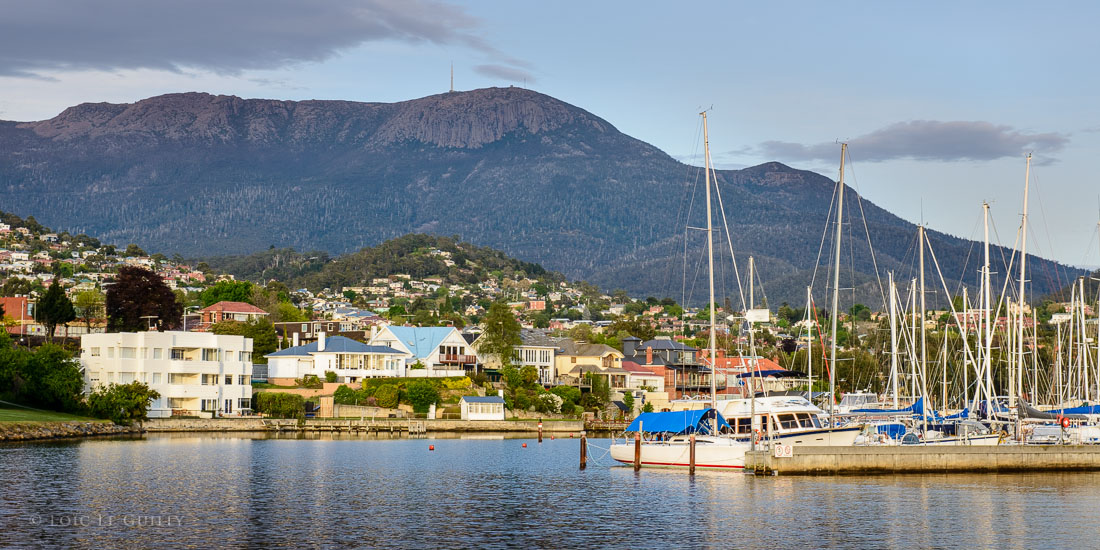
(551, 438)
(524, 445)
(1065, 422)
(431, 447)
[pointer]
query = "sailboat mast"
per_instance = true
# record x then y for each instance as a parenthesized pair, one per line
(836, 282)
(710, 274)
(752, 342)
(988, 310)
(1017, 383)
(923, 349)
(810, 342)
(893, 340)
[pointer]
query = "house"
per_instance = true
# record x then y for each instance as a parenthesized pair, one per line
(350, 360)
(195, 373)
(229, 311)
(574, 361)
(536, 349)
(482, 408)
(429, 351)
(676, 362)
(18, 314)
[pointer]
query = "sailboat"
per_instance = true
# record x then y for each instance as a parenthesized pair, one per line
(677, 437)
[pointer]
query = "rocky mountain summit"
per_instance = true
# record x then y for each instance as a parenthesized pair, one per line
(510, 168)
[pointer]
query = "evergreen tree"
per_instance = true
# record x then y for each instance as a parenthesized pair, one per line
(501, 333)
(138, 293)
(55, 309)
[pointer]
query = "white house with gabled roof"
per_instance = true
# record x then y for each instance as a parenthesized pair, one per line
(441, 351)
(349, 359)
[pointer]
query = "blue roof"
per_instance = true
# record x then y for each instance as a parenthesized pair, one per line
(677, 422)
(486, 399)
(333, 344)
(661, 344)
(421, 341)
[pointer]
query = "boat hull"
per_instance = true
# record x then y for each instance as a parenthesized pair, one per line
(714, 454)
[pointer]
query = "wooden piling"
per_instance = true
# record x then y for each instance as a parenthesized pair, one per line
(691, 464)
(540, 430)
(637, 451)
(584, 451)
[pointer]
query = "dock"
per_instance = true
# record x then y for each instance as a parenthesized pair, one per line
(923, 459)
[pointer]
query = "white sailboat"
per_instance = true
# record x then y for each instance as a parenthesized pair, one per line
(716, 447)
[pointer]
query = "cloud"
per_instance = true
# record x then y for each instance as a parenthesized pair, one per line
(214, 35)
(507, 73)
(926, 140)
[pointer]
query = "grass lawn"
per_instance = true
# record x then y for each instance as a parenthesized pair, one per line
(27, 415)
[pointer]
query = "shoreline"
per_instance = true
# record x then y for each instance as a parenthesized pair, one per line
(39, 431)
(364, 425)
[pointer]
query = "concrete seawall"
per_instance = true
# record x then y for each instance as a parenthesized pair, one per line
(919, 459)
(393, 425)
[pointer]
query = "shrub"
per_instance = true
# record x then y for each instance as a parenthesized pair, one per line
(122, 403)
(330, 376)
(457, 383)
(422, 395)
(648, 407)
(387, 396)
(548, 402)
(344, 396)
(310, 381)
(280, 405)
(568, 394)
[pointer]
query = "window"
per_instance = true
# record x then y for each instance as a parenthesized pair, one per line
(305, 327)
(94, 352)
(229, 380)
(156, 378)
(110, 378)
(110, 353)
(244, 403)
(158, 353)
(210, 380)
(246, 356)
(177, 354)
(127, 353)
(125, 377)
(175, 378)
(209, 404)
(175, 402)
(242, 380)
(787, 421)
(210, 354)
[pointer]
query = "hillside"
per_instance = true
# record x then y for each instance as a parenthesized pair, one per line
(508, 168)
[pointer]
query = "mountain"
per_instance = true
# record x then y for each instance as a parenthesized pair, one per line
(522, 172)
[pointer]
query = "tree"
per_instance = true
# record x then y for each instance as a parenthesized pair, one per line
(14, 286)
(387, 396)
(89, 306)
(500, 333)
(422, 395)
(226, 291)
(137, 293)
(55, 309)
(261, 331)
(48, 378)
(133, 250)
(122, 403)
(628, 400)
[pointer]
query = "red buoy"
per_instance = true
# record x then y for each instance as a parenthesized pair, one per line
(431, 447)
(524, 445)
(1065, 422)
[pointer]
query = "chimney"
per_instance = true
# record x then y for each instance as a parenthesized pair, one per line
(649, 355)
(373, 333)
(294, 339)
(629, 347)
(321, 341)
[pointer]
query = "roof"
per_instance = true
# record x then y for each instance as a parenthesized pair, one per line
(235, 307)
(568, 346)
(486, 399)
(661, 344)
(421, 341)
(333, 344)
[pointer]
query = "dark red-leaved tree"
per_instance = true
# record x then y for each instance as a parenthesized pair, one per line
(138, 293)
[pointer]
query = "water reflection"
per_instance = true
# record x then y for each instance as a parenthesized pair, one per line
(255, 491)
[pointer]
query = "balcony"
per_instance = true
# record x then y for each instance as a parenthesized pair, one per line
(455, 359)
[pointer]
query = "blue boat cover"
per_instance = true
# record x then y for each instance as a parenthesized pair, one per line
(893, 430)
(678, 422)
(1088, 409)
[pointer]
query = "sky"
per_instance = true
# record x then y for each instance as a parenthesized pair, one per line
(940, 102)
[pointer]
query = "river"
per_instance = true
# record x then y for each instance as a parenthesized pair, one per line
(234, 491)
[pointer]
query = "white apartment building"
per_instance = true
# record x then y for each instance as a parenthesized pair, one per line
(196, 373)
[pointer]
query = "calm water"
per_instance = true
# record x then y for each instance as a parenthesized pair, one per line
(237, 492)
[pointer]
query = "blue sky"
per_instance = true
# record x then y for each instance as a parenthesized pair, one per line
(940, 101)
